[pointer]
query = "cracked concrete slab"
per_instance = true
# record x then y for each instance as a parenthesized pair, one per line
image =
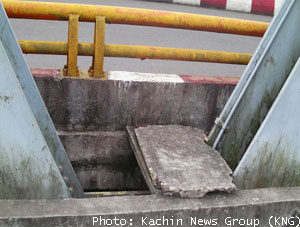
(175, 160)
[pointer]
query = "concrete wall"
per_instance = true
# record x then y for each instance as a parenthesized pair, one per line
(91, 116)
(103, 160)
(95, 105)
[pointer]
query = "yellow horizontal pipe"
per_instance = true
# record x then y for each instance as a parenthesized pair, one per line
(143, 52)
(123, 15)
(148, 52)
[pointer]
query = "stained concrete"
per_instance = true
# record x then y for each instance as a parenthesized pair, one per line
(92, 115)
(103, 160)
(176, 161)
(96, 105)
(259, 205)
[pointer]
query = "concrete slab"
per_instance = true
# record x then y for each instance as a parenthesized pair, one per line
(176, 161)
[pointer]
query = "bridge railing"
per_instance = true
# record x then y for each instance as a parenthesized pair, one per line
(100, 15)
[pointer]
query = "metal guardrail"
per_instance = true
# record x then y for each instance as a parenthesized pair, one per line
(121, 15)
(143, 52)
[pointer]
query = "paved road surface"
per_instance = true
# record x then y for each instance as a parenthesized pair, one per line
(139, 35)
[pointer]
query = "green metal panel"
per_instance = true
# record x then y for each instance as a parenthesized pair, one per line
(259, 85)
(273, 157)
(34, 99)
(27, 168)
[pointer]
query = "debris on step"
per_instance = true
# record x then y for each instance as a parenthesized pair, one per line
(175, 160)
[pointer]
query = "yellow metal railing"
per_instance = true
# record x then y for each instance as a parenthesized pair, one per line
(143, 52)
(121, 15)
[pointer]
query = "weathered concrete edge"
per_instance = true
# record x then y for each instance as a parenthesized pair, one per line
(140, 159)
(259, 204)
(148, 77)
(161, 169)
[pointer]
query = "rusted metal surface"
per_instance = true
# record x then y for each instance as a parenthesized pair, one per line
(122, 15)
(98, 59)
(72, 70)
(147, 52)
(143, 52)
(54, 48)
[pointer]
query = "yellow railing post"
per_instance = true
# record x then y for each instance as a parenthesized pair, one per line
(98, 59)
(72, 69)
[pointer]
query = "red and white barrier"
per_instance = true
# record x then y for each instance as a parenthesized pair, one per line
(267, 7)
